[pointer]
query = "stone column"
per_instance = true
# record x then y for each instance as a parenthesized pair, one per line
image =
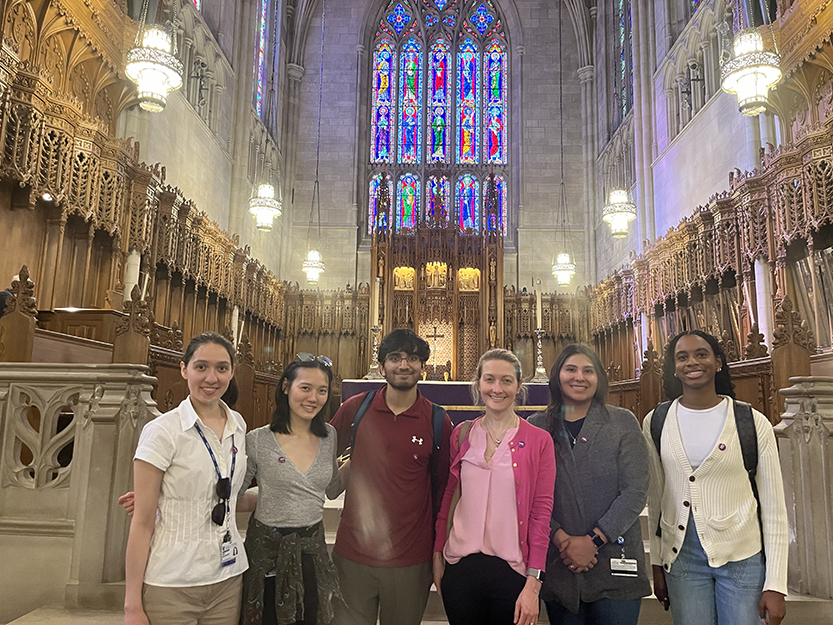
(805, 449)
(242, 116)
(293, 95)
(643, 127)
(132, 271)
(763, 289)
(586, 76)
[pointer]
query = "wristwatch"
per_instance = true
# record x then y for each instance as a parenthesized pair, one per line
(597, 540)
(536, 573)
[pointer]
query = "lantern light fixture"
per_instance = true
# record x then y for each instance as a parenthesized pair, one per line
(264, 206)
(313, 266)
(152, 64)
(751, 72)
(619, 212)
(563, 269)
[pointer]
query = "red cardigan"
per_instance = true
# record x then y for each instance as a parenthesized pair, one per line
(533, 461)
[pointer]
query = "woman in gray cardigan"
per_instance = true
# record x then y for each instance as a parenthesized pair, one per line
(596, 562)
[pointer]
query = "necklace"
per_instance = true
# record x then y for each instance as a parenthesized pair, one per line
(492, 436)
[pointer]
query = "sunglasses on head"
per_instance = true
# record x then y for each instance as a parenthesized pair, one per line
(218, 512)
(307, 357)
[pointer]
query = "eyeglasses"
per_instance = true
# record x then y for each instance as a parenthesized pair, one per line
(411, 359)
(218, 512)
(307, 357)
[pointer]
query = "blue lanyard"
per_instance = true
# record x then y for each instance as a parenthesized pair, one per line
(214, 460)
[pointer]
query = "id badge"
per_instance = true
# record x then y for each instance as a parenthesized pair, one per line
(228, 551)
(623, 567)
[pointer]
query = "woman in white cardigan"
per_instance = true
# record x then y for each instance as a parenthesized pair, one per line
(709, 560)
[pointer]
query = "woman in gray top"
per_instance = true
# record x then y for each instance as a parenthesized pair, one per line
(291, 578)
(596, 562)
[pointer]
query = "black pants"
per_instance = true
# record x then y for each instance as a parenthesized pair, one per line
(481, 590)
(310, 596)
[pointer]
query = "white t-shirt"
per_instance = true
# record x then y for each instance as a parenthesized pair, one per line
(185, 549)
(700, 430)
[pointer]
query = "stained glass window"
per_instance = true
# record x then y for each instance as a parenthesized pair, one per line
(695, 4)
(496, 221)
(467, 201)
(384, 62)
(624, 78)
(439, 103)
(468, 102)
(407, 201)
(198, 4)
(437, 200)
(494, 104)
(260, 70)
(381, 221)
(439, 79)
(410, 103)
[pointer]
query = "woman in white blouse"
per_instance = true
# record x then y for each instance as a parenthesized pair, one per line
(707, 543)
(185, 557)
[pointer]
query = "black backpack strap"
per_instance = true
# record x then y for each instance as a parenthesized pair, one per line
(657, 423)
(748, 435)
(359, 416)
(438, 420)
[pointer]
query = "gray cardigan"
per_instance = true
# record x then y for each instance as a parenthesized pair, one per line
(601, 482)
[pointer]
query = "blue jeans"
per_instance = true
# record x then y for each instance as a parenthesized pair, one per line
(704, 595)
(600, 612)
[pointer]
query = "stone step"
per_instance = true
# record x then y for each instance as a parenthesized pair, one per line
(800, 611)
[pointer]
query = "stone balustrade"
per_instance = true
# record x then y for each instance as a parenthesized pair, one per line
(67, 437)
(806, 451)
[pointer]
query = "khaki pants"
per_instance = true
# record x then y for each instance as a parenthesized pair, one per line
(398, 595)
(214, 604)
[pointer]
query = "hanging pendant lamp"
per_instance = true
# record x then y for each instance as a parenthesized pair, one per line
(152, 64)
(619, 212)
(313, 264)
(264, 206)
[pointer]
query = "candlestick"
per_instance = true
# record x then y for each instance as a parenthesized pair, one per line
(373, 371)
(540, 372)
(539, 319)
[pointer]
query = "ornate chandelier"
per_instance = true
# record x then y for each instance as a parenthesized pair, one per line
(563, 269)
(313, 266)
(264, 206)
(152, 64)
(619, 212)
(750, 72)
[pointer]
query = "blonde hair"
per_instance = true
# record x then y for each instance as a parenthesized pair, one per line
(497, 354)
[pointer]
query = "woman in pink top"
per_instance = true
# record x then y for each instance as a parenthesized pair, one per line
(493, 527)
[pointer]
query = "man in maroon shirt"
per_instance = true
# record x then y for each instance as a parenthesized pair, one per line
(384, 544)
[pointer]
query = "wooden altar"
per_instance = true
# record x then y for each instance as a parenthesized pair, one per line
(445, 284)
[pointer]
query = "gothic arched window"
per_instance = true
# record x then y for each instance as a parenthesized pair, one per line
(438, 114)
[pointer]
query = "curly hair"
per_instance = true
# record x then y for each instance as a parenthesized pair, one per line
(722, 378)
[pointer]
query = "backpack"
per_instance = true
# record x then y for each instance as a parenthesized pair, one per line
(745, 424)
(438, 414)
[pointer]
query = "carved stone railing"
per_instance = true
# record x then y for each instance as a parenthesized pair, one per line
(806, 452)
(67, 437)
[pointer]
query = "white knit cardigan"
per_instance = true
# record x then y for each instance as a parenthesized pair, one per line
(720, 498)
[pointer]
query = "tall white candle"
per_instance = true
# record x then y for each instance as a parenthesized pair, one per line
(378, 285)
(538, 307)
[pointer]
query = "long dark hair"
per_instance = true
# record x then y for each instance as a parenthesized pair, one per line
(722, 378)
(280, 418)
(554, 410)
